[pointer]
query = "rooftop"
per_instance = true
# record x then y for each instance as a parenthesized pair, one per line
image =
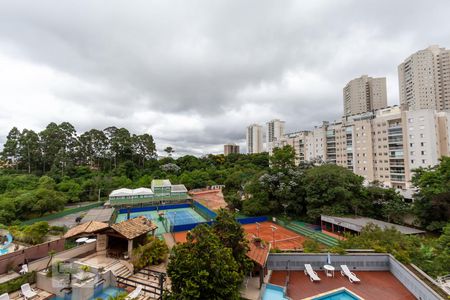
(179, 188)
(135, 227)
(161, 182)
(374, 285)
(357, 223)
(86, 228)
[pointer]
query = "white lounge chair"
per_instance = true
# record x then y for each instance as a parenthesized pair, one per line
(4, 296)
(24, 269)
(311, 273)
(27, 291)
(134, 294)
(345, 271)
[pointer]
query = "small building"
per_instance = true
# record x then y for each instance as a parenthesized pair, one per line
(340, 225)
(162, 191)
(178, 191)
(119, 239)
(161, 187)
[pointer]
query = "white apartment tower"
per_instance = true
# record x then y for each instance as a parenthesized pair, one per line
(254, 139)
(364, 94)
(424, 80)
(275, 131)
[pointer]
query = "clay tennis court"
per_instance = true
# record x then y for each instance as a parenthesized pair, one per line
(213, 199)
(285, 239)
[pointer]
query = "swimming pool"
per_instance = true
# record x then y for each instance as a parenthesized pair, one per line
(341, 294)
(274, 292)
(4, 247)
(103, 294)
(177, 216)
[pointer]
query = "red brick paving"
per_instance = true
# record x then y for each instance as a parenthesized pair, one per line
(373, 286)
(294, 241)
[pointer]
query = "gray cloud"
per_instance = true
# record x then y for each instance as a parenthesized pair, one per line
(195, 74)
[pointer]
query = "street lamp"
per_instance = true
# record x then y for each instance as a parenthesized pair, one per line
(257, 228)
(273, 234)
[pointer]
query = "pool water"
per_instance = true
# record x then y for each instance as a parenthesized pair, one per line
(274, 292)
(108, 292)
(104, 294)
(177, 216)
(338, 295)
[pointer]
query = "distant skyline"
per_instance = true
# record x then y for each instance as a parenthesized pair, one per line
(195, 74)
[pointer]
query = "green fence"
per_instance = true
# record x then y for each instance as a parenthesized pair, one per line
(63, 213)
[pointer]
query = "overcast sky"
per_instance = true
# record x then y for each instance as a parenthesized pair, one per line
(194, 74)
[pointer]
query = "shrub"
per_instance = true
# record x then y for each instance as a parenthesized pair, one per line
(153, 252)
(14, 284)
(311, 246)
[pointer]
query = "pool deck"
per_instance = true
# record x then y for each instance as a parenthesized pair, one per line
(373, 286)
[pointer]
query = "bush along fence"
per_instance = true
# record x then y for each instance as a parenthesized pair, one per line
(63, 213)
(14, 284)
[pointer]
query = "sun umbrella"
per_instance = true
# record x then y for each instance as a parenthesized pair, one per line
(328, 258)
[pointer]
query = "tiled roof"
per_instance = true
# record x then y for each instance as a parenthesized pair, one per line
(86, 228)
(135, 227)
(258, 254)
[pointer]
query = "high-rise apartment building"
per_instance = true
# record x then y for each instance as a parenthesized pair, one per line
(385, 145)
(364, 94)
(275, 131)
(230, 148)
(254, 139)
(424, 80)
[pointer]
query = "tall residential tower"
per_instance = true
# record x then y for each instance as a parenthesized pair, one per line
(424, 80)
(275, 131)
(254, 139)
(364, 94)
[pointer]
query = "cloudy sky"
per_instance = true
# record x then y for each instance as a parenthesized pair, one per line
(194, 74)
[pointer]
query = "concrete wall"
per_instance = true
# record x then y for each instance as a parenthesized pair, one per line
(29, 254)
(297, 261)
(61, 256)
(416, 286)
(358, 262)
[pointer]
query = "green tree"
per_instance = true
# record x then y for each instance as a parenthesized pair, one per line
(431, 203)
(12, 145)
(202, 268)
(331, 189)
(169, 150)
(232, 235)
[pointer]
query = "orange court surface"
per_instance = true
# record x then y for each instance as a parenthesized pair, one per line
(285, 239)
(213, 199)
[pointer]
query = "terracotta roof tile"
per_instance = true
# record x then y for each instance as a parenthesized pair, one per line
(135, 227)
(86, 228)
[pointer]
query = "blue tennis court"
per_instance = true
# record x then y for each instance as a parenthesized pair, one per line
(177, 216)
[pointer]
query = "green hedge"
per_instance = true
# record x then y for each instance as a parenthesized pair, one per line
(63, 213)
(14, 284)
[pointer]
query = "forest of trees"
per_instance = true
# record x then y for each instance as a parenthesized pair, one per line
(42, 172)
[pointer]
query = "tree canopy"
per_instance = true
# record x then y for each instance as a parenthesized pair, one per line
(202, 268)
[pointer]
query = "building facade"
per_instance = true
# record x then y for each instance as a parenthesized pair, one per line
(364, 94)
(424, 80)
(384, 145)
(230, 148)
(254, 139)
(275, 131)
